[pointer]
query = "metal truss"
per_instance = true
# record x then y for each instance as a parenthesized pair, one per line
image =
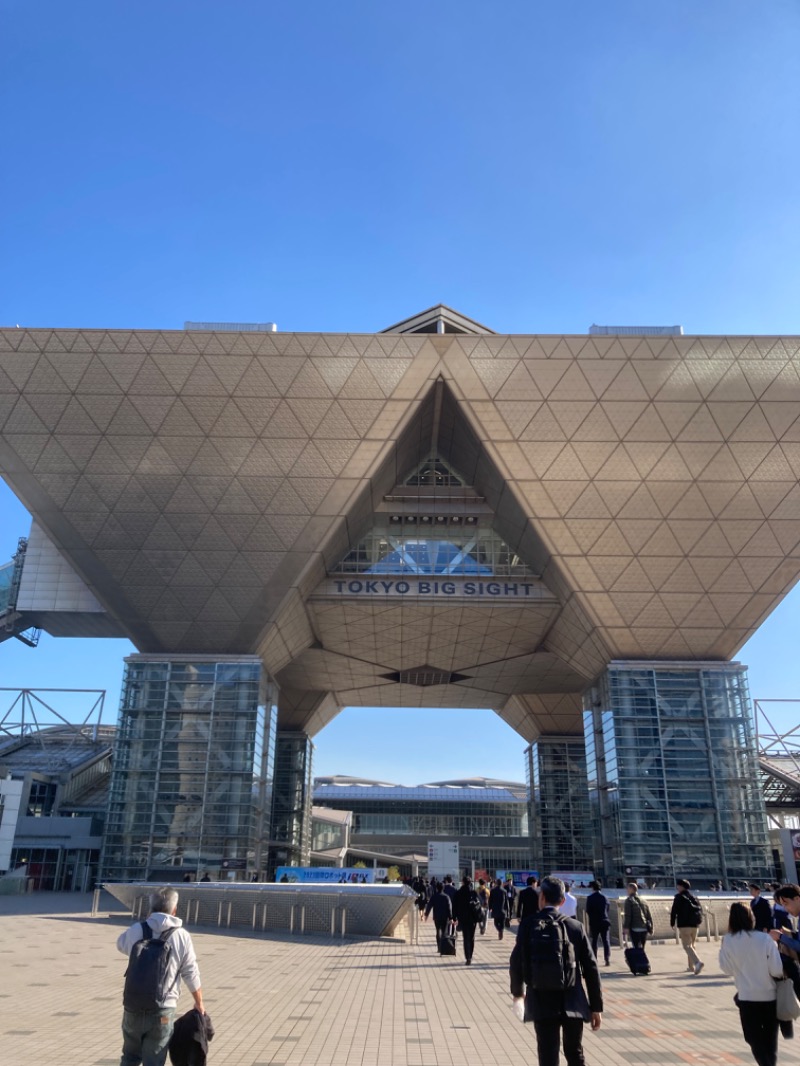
(30, 717)
(778, 760)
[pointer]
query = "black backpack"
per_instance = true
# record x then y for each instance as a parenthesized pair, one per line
(145, 977)
(549, 955)
(694, 911)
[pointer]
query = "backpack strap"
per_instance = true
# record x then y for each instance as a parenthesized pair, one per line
(167, 933)
(147, 932)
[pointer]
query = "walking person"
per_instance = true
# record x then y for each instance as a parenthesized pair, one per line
(762, 912)
(483, 895)
(570, 908)
(511, 895)
(636, 918)
(528, 899)
(442, 909)
(160, 953)
(788, 898)
(599, 921)
(467, 912)
(751, 958)
(550, 961)
(449, 888)
(687, 915)
(498, 907)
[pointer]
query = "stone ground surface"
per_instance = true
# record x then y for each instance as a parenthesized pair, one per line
(309, 1000)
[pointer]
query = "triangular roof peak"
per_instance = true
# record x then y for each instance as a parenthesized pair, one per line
(438, 319)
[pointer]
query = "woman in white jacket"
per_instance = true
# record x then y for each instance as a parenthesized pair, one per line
(752, 960)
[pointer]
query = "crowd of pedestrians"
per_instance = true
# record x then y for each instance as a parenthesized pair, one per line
(553, 967)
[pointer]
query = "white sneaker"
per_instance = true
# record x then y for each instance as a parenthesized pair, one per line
(698, 966)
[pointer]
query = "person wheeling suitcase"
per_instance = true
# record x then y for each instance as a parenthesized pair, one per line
(442, 909)
(637, 922)
(447, 941)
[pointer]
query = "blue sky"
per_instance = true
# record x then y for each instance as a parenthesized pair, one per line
(338, 167)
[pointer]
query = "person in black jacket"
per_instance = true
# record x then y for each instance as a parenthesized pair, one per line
(528, 899)
(762, 912)
(556, 1015)
(442, 912)
(498, 907)
(511, 896)
(467, 912)
(599, 921)
(687, 914)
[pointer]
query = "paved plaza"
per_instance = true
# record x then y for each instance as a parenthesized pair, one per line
(310, 1000)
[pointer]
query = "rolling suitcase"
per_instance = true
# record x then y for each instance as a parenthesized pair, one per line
(447, 945)
(638, 962)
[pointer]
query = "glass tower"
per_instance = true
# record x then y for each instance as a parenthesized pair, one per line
(192, 782)
(291, 809)
(560, 812)
(673, 773)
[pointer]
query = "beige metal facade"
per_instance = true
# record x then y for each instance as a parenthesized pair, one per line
(206, 486)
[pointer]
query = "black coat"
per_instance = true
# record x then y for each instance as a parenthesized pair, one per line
(188, 1045)
(463, 906)
(527, 902)
(441, 906)
(762, 912)
(684, 910)
(575, 1002)
(498, 903)
(597, 911)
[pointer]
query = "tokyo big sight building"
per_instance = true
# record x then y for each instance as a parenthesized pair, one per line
(577, 532)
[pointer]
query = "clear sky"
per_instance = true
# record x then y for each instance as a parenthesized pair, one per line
(338, 167)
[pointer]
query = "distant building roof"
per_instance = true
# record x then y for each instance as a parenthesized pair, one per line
(330, 814)
(358, 786)
(352, 790)
(55, 750)
(636, 331)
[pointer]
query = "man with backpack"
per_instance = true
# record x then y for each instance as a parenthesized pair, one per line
(551, 959)
(160, 953)
(687, 914)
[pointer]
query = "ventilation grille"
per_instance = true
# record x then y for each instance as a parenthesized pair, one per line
(425, 676)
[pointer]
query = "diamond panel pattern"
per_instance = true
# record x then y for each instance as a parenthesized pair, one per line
(193, 479)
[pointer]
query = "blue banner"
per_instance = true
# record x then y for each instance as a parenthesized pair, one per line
(329, 875)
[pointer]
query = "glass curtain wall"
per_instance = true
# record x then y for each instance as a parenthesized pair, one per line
(193, 773)
(673, 774)
(560, 812)
(291, 809)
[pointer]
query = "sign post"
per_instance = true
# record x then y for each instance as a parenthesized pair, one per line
(443, 859)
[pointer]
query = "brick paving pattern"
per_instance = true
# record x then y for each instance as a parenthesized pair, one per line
(286, 1001)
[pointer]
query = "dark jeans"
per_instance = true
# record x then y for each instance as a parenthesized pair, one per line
(468, 938)
(638, 938)
(145, 1036)
(760, 1030)
(601, 933)
(548, 1039)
